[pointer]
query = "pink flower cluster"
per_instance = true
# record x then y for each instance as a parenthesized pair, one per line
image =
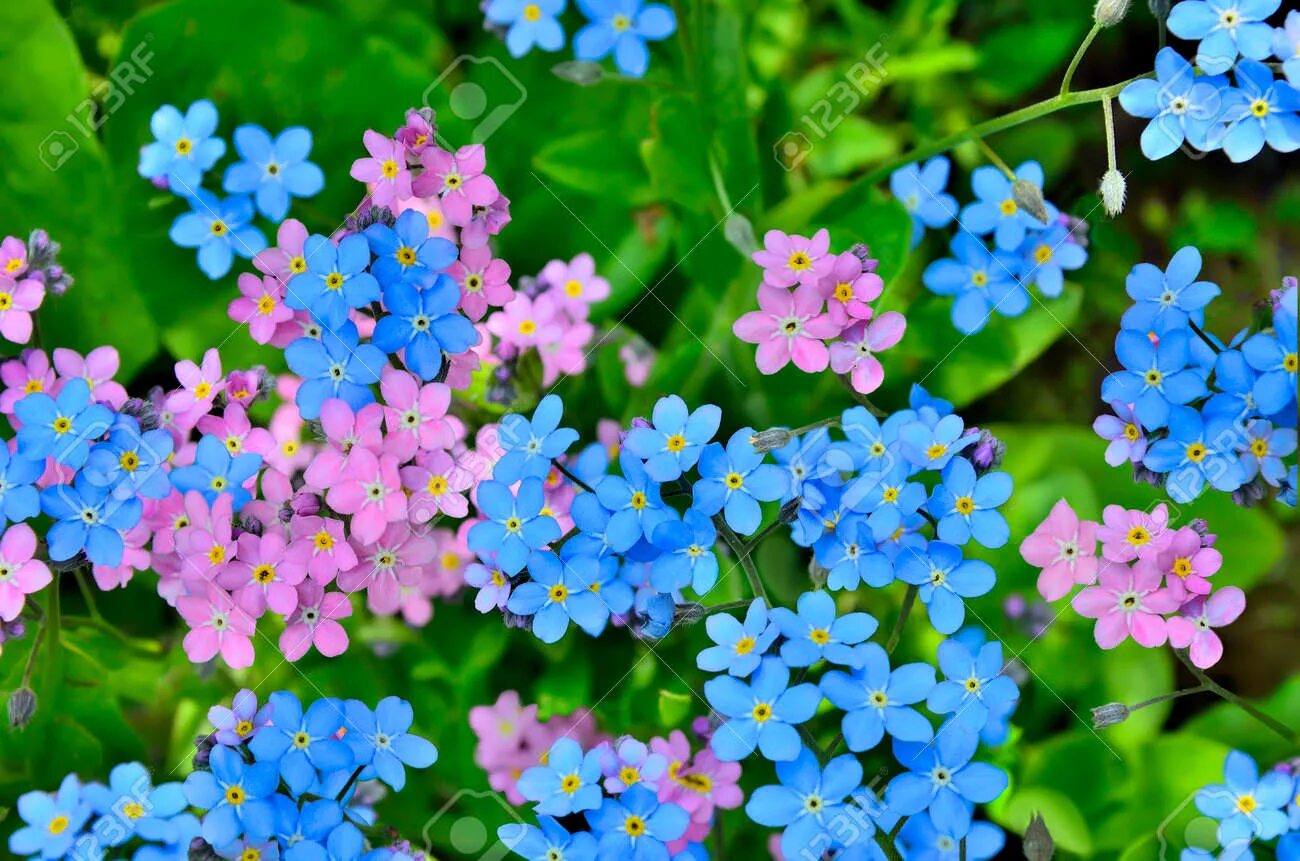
(22, 290)
(1151, 581)
(815, 311)
(511, 739)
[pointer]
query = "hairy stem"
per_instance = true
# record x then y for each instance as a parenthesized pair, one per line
(742, 552)
(895, 635)
(1169, 696)
(1211, 685)
(1078, 58)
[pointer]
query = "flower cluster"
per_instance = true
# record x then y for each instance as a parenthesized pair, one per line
(1151, 581)
(814, 310)
(1190, 410)
(271, 171)
(269, 782)
(28, 270)
(762, 710)
(1033, 244)
(617, 27)
(1252, 810)
(1209, 111)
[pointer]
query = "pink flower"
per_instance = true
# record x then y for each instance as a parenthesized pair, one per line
(575, 283)
(417, 132)
(638, 358)
(319, 544)
(789, 260)
(1198, 617)
(345, 432)
(18, 299)
(315, 623)
(457, 179)
(261, 306)
(855, 355)
(289, 453)
(568, 354)
(1187, 564)
(382, 568)
(263, 575)
(20, 574)
(526, 322)
(1127, 601)
(202, 381)
(217, 627)
(1065, 548)
(13, 257)
(135, 557)
(486, 222)
(848, 289)
(437, 484)
(501, 728)
(97, 369)
(1130, 534)
(414, 414)
(235, 430)
(28, 374)
(385, 171)
(205, 545)
(242, 387)
(483, 281)
(369, 489)
(285, 259)
(447, 573)
(788, 326)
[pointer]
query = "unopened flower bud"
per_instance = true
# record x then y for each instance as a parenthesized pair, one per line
(201, 851)
(862, 251)
(1142, 475)
(739, 232)
(1108, 13)
(1109, 715)
(703, 727)
(1159, 9)
(1037, 842)
(203, 745)
(305, 503)
(689, 613)
(1029, 197)
(657, 620)
(770, 439)
(246, 523)
(22, 705)
(142, 411)
(817, 574)
(584, 73)
(530, 286)
(1202, 529)
(1251, 493)
(1113, 190)
(790, 511)
(987, 452)
(1015, 606)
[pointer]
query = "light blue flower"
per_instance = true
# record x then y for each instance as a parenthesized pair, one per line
(559, 592)
(514, 524)
(876, 701)
(60, 427)
(88, 518)
(1286, 46)
(424, 325)
(921, 191)
(382, 740)
(734, 480)
(568, 783)
(623, 27)
(1248, 806)
(1196, 452)
(303, 743)
(762, 713)
(219, 229)
(967, 506)
(674, 442)
(1167, 300)
(687, 558)
(336, 279)
(849, 553)
(547, 843)
(1262, 450)
(1155, 377)
(273, 170)
(816, 633)
(51, 821)
(926, 842)
(996, 211)
(1260, 111)
(976, 691)
(943, 780)
(1274, 356)
(1047, 255)
(235, 795)
(633, 500)
(637, 825)
(184, 147)
(406, 252)
(530, 22)
(739, 647)
(334, 365)
(132, 806)
(982, 281)
(808, 803)
(530, 445)
(944, 578)
(1226, 29)
(1180, 105)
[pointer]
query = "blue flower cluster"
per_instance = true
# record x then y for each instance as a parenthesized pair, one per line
(1210, 111)
(761, 710)
(275, 782)
(1190, 410)
(270, 172)
(1025, 252)
(617, 27)
(1252, 810)
(579, 818)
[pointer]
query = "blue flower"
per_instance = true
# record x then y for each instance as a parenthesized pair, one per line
(219, 229)
(134, 806)
(637, 825)
(184, 147)
(687, 558)
(1180, 105)
(88, 518)
(674, 442)
(548, 842)
(1274, 356)
(131, 462)
(53, 821)
(531, 445)
(1196, 452)
(1262, 110)
(530, 22)
(303, 743)
(216, 471)
(739, 647)
(967, 506)
(334, 365)
(876, 700)
(1286, 47)
(654, 618)
(273, 170)
(307, 829)
(1247, 805)
(336, 279)
(622, 26)
(235, 795)
(569, 782)
(381, 739)
(976, 691)
(1154, 377)
(982, 280)
(887, 496)
(592, 520)
(406, 253)
(942, 780)
(1261, 452)
(19, 499)
(945, 579)
(1166, 300)
(633, 501)
(514, 525)
(1235, 380)
(921, 191)
(762, 713)
(850, 554)
(808, 803)
(932, 446)
(559, 592)
(812, 462)
(996, 210)
(424, 324)
(924, 841)
(1047, 256)
(1225, 29)
(814, 633)
(734, 480)
(600, 574)
(61, 427)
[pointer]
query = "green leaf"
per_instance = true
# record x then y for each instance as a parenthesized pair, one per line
(587, 162)
(1067, 825)
(674, 708)
(1017, 57)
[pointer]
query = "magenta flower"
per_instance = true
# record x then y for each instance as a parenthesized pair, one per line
(1127, 439)
(346, 432)
(789, 326)
(485, 223)
(320, 545)
(789, 260)
(437, 484)
(502, 728)
(13, 257)
(384, 171)
(566, 355)
(20, 574)
(203, 381)
(285, 259)
(575, 283)
(638, 359)
(526, 322)
(458, 180)
(1130, 534)
(1127, 601)
(847, 288)
(369, 489)
(263, 575)
(1187, 563)
(416, 134)
(1193, 628)
(1065, 548)
(385, 566)
(205, 545)
(261, 306)
(97, 369)
(414, 414)
(242, 387)
(483, 281)
(27, 374)
(234, 429)
(855, 355)
(18, 299)
(315, 623)
(217, 627)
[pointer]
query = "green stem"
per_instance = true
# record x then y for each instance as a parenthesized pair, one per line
(31, 657)
(351, 780)
(564, 471)
(742, 556)
(894, 636)
(848, 383)
(1078, 58)
(1169, 696)
(1200, 333)
(87, 594)
(728, 606)
(996, 159)
(142, 647)
(1211, 685)
(887, 845)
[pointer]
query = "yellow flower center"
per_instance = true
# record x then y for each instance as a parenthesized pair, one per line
(745, 645)
(527, 327)
(558, 593)
(843, 292)
(972, 684)
(1131, 432)
(762, 712)
(434, 218)
(264, 573)
(734, 480)
(1043, 253)
(202, 390)
(334, 281)
(700, 783)
(890, 494)
(799, 261)
(629, 775)
(298, 264)
(184, 146)
(218, 483)
(322, 540)
(571, 783)
(133, 810)
(1137, 536)
(388, 168)
(1259, 447)
(965, 505)
(450, 561)
(1259, 108)
(129, 461)
(58, 824)
(879, 699)
(1196, 452)
(437, 485)
(235, 795)
(620, 23)
(1246, 803)
(14, 264)
(1008, 207)
(244, 727)
(218, 228)
(216, 554)
(979, 278)
(634, 826)
(406, 256)
(532, 12)
(638, 500)
(265, 305)
(1154, 377)
(6, 301)
(251, 854)
(573, 288)
(676, 443)
(62, 424)
(1182, 566)
(936, 451)
(513, 524)
(34, 386)
(1290, 362)
(820, 636)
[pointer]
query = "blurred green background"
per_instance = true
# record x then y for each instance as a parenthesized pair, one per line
(622, 170)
